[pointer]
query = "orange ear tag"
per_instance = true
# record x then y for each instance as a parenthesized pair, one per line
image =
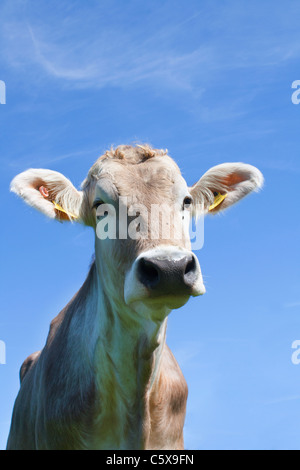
(218, 199)
(60, 209)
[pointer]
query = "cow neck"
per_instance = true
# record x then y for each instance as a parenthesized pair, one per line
(127, 359)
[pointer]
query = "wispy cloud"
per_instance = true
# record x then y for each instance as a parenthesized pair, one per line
(58, 67)
(80, 48)
(172, 51)
(102, 66)
(188, 352)
(292, 304)
(283, 400)
(38, 160)
(83, 54)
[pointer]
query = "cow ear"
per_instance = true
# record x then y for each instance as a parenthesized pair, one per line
(224, 185)
(49, 192)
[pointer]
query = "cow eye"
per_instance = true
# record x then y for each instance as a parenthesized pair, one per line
(97, 204)
(187, 202)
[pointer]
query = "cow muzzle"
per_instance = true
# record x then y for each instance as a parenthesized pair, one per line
(164, 276)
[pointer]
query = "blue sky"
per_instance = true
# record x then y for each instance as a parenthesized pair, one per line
(210, 81)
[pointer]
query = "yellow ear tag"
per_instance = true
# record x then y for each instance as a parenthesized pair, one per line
(218, 199)
(60, 209)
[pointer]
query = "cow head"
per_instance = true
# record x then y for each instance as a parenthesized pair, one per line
(140, 206)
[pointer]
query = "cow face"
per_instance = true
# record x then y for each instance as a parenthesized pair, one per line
(140, 206)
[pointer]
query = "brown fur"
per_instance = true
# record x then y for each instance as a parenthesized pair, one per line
(106, 378)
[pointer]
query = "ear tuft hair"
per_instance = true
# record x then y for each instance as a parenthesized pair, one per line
(55, 188)
(235, 180)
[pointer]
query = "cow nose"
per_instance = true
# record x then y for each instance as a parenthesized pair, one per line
(163, 276)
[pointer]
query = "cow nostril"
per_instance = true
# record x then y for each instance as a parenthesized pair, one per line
(190, 272)
(148, 273)
(190, 267)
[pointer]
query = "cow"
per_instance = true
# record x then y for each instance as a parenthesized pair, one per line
(106, 378)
